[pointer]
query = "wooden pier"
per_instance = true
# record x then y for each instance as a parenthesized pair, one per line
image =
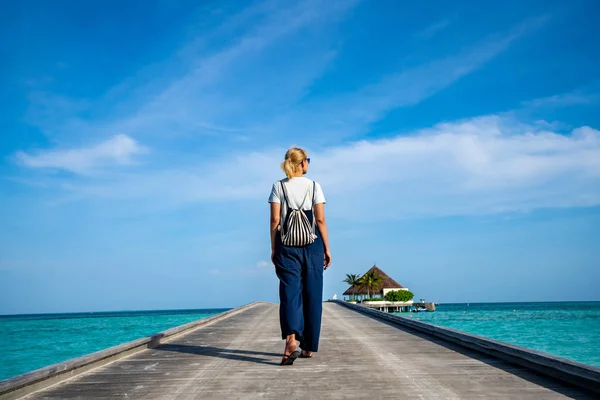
(237, 356)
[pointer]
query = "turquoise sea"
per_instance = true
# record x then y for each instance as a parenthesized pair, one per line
(29, 342)
(566, 329)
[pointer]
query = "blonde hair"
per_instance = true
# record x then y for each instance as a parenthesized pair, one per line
(293, 158)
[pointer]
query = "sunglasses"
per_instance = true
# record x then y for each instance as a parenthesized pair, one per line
(307, 160)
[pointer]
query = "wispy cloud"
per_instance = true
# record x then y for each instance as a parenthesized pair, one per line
(260, 61)
(417, 84)
(483, 165)
(349, 113)
(264, 265)
(256, 86)
(563, 100)
(118, 150)
(434, 28)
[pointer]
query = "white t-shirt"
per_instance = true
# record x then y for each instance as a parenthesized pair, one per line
(296, 189)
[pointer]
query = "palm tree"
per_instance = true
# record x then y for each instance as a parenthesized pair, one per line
(370, 280)
(352, 280)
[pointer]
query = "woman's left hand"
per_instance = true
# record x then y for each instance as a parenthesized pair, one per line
(327, 259)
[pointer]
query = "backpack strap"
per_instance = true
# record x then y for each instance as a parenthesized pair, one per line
(284, 194)
(285, 202)
(312, 207)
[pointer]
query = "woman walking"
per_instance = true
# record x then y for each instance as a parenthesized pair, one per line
(300, 253)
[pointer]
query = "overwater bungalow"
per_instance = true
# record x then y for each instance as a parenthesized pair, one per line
(360, 292)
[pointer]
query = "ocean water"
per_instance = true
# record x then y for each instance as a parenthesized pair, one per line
(565, 329)
(29, 342)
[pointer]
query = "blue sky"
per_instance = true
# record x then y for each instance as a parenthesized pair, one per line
(458, 145)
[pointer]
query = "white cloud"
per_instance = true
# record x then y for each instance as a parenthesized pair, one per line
(563, 100)
(118, 150)
(478, 166)
(264, 265)
(483, 165)
(434, 28)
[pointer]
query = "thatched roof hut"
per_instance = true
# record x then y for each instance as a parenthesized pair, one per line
(386, 285)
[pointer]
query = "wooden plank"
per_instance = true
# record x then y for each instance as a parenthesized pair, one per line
(360, 357)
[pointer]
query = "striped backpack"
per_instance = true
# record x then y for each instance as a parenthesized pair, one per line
(296, 230)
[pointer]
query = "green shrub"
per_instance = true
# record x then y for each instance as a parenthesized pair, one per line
(399, 295)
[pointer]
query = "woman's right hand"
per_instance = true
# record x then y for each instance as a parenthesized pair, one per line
(327, 259)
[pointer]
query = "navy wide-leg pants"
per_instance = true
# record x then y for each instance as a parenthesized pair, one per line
(300, 273)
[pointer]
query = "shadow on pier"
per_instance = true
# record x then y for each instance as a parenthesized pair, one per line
(230, 354)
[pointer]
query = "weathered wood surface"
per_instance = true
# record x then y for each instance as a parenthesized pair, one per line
(578, 374)
(360, 357)
(21, 385)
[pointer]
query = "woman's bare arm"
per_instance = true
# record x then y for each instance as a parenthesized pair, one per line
(319, 210)
(275, 219)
